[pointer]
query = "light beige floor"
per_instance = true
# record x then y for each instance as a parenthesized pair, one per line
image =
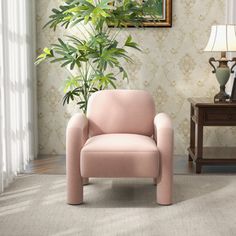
(34, 205)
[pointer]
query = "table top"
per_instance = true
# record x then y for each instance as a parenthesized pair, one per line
(209, 102)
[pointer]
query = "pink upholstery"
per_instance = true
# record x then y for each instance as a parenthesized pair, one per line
(119, 111)
(164, 138)
(76, 136)
(116, 141)
(121, 155)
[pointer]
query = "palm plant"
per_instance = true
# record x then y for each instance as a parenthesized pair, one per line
(95, 53)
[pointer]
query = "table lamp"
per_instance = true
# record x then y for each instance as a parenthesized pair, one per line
(222, 39)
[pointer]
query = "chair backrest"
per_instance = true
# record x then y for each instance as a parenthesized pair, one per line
(121, 111)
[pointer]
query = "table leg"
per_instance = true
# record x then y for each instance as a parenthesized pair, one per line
(198, 168)
(199, 148)
(192, 132)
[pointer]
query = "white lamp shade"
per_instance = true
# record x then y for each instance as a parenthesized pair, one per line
(222, 39)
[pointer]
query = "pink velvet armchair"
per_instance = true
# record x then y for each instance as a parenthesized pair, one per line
(120, 137)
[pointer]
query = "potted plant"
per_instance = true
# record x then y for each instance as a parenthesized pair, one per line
(95, 54)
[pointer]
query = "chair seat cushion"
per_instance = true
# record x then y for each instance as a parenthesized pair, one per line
(119, 155)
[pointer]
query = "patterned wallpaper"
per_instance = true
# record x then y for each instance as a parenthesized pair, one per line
(172, 67)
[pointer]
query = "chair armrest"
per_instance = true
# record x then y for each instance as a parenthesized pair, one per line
(162, 121)
(77, 130)
(76, 136)
(78, 121)
(164, 139)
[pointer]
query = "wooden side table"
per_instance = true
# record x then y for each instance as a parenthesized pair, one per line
(204, 112)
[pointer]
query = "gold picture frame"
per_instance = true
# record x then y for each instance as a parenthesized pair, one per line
(165, 20)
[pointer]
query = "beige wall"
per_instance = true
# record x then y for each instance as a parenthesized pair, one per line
(172, 68)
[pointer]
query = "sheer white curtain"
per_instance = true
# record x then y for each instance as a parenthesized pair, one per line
(17, 88)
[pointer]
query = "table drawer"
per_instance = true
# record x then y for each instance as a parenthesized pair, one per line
(220, 117)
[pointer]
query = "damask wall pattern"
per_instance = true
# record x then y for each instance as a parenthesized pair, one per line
(172, 67)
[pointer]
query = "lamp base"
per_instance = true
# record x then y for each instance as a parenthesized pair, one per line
(222, 96)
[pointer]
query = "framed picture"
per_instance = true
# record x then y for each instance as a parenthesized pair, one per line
(163, 13)
(233, 93)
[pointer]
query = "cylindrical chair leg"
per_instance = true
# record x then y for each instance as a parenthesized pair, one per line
(76, 136)
(73, 176)
(164, 192)
(74, 189)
